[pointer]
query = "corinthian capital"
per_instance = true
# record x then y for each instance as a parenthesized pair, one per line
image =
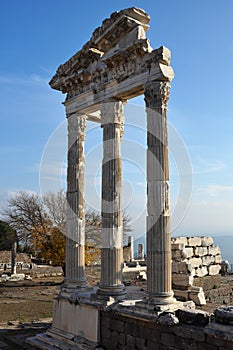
(157, 95)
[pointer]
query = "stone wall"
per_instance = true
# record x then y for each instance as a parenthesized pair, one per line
(191, 330)
(47, 271)
(196, 263)
(22, 260)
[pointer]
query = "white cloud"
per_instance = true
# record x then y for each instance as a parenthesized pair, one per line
(215, 190)
(207, 216)
(204, 167)
(23, 80)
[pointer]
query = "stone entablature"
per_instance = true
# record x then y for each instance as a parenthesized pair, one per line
(115, 63)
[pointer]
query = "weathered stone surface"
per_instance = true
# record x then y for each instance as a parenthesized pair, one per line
(182, 295)
(197, 295)
(182, 280)
(168, 318)
(188, 252)
(206, 241)
(207, 260)
(177, 255)
(201, 271)
(208, 282)
(181, 267)
(194, 317)
(179, 240)
(200, 251)
(218, 259)
(222, 332)
(195, 262)
(214, 269)
(177, 246)
(194, 241)
(224, 315)
(214, 250)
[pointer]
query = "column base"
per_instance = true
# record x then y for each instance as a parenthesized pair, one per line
(162, 298)
(115, 292)
(69, 287)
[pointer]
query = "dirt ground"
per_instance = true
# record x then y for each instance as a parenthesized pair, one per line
(26, 307)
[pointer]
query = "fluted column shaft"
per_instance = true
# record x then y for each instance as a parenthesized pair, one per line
(158, 218)
(112, 225)
(75, 227)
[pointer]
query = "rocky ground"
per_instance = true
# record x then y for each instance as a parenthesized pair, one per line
(26, 307)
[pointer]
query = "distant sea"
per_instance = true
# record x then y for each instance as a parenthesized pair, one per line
(225, 242)
(226, 245)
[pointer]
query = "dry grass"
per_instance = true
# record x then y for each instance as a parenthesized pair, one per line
(28, 300)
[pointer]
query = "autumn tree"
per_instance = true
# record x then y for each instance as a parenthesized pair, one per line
(39, 222)
(25, 214)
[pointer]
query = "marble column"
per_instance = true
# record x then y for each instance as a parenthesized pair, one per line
(112, 119)
(75, 227)
(158, 218)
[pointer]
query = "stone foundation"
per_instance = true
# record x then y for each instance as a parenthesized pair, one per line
(83, 322)
(193, 331)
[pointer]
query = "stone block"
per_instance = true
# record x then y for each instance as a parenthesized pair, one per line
(207, 260)
(179, 240)
(117, 325)
(197, 296)
(193, 317)
(206, 241)
(200, 251)
(218, 259)
(188, 252)
(141, 344)
(198, 334)
(195, 262)
(177, 255)
(214, 250)
(181, 267)
(177, 246)
(181, 295)
(182, 280)
(152, 345)
(183, 331)
(78, 320)
(214, 269)
(219, 331)
(167, 319)
(130, 342)
(194, 241)
(201, 271)
(167, 339)
(224, 315)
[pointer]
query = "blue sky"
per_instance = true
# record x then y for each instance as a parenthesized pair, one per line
(37, 36)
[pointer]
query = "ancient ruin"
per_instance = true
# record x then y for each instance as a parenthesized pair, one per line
(116, 64)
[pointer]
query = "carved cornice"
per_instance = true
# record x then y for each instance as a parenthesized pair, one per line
(103, 38)
(118, 52)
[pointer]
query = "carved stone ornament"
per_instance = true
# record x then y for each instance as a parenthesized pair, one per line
(157, 95)
(115, 63)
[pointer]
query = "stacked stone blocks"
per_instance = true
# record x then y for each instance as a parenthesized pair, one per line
(192, 259)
